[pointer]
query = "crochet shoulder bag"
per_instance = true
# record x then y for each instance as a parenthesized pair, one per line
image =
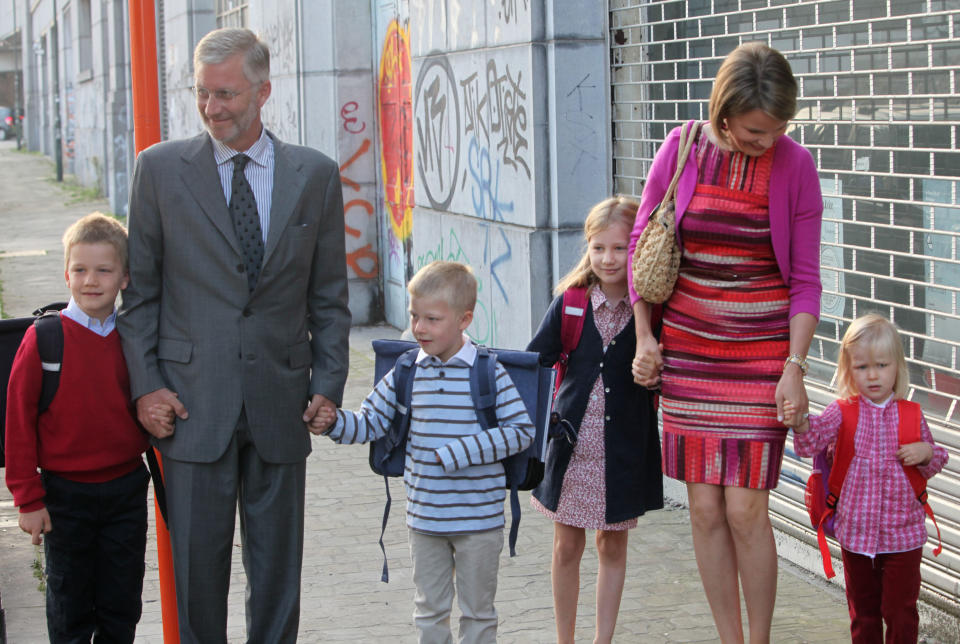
(656, 259)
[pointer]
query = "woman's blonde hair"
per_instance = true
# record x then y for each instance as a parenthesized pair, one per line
(881, 337)
(753, 77)
(614, 210)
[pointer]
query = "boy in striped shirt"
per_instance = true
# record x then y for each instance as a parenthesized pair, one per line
(453, 474)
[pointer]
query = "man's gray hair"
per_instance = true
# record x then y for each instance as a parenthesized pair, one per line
(221, 44)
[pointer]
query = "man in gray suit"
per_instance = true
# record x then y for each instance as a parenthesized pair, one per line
(236, 318)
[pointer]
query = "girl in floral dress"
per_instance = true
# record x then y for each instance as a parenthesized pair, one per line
(610, 473)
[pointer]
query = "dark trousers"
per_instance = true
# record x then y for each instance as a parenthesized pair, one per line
(202, 504)
(95, 557)
(883, 589)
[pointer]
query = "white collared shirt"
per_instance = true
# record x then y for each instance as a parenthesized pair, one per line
(259, 173)
(103, 329)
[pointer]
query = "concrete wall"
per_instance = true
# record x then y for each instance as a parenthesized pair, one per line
(511, 147)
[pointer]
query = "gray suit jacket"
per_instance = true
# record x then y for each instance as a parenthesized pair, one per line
(189, 323)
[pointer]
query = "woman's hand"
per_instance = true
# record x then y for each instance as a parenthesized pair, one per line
(791, 388)
(648, 362)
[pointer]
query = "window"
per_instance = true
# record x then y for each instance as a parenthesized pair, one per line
(232, 13)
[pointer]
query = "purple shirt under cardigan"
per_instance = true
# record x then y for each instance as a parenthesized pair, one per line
(796, 207)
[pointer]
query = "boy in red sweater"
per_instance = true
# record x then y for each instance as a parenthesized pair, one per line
(76, 471)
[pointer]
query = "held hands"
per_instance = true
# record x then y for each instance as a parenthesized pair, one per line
(648, 363)
(918, 453)
(35, 524)
(156, 411)
(792, 418)
(320, 414)
(791, 388)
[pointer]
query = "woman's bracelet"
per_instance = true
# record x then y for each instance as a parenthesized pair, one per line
(798, 360)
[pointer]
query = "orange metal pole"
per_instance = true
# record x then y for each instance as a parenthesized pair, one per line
(146, 132)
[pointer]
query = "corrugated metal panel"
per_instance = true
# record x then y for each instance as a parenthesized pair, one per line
(880, 112)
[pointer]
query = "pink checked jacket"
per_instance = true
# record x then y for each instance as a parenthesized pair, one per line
(796, 206)
(877, 512)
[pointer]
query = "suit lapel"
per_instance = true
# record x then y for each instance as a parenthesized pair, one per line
(288, 185)
(203, 181)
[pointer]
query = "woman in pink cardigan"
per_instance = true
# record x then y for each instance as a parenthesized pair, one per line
(738, 325)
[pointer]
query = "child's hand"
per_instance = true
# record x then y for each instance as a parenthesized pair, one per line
(325, 417)
(647, 363)
(36, 523)
(918, 453)
(792, 419)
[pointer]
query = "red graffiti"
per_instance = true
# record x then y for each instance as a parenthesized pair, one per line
(363, 260)
(350, 122)
(395, 117)
(346, 164)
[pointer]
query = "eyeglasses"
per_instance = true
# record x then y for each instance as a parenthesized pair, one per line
(222, 95)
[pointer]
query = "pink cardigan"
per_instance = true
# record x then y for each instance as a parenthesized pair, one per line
(796, 207)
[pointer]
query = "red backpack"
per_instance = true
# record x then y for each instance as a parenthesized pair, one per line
(832, 462)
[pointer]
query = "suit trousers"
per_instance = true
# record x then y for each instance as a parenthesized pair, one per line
(95, 555)
(469, 561)
(882, 589)
(202, 505)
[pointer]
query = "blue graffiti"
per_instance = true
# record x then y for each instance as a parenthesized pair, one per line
(485, 190)
(500, 259)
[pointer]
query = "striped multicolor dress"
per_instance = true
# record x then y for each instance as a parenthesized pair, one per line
(726, 331)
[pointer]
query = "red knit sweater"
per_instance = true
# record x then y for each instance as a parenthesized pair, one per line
(89, 434)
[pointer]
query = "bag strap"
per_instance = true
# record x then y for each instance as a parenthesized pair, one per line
(909, 431)
(49, 330)
(571, 328)
(403, 377)
(688, 135)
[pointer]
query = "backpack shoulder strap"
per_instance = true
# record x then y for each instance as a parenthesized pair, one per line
(404, 371)
(909, 431)
(483, 387)
(49, 330)
(573, 314)
(850, 411)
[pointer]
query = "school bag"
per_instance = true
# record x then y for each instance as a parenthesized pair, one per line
(534, 382)
(49, 330)
(831, 465)
(46, 322)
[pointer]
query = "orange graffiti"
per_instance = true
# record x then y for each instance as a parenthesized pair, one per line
(363, 253)
(395, 114)
(363, 203)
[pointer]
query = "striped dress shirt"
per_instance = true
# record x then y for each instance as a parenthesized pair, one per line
(453, 475)
(259, 174)
(877, 512)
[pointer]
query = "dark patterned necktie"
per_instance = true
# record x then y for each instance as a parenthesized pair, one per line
(246, 221)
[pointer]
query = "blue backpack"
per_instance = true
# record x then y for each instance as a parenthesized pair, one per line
(534, 382)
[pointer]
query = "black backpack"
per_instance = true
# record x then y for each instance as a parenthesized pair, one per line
(46, 321)
(533, 381)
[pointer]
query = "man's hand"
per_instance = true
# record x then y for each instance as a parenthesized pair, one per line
(35, 524)
(918, 453)
(153, 412)
(320, 414)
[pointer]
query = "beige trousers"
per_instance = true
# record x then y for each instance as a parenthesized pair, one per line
(468, 561)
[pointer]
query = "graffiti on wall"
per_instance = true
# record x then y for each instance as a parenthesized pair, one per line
(509, 9)
(362, 259)
(493, 297)
(472, 129)
(395, 114)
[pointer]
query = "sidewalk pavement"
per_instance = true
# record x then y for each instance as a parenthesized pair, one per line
(343, 599)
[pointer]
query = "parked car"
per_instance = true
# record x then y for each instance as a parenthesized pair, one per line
(6, 123)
